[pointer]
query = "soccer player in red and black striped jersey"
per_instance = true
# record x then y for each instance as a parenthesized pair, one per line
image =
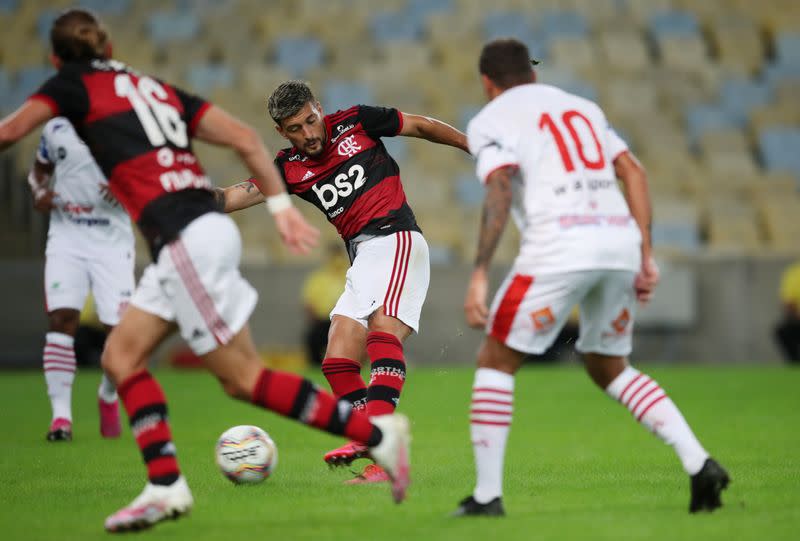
(139, 131)
(339, 164)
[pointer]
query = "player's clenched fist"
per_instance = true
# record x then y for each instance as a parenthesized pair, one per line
(475, 309)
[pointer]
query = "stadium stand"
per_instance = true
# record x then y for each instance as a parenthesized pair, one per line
(705, 92)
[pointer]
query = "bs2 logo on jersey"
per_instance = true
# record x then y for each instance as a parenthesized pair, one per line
(343, 185)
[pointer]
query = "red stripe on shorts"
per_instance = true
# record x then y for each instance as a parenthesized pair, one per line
(509, 306)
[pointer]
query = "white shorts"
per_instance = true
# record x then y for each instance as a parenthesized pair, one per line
(196, 283)
(528, 311)
(68, 278)
(392, 271)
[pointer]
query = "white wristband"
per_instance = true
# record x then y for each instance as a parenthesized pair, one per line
(37, 189)
(278, 203)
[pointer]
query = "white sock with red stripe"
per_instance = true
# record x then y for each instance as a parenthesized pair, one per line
(490, 421)
(59, 372)
(651, 406)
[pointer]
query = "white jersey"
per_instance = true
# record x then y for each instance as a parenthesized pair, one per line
(567, 205)
(87, 219)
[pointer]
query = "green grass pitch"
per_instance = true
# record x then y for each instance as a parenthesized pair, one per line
(578, 467)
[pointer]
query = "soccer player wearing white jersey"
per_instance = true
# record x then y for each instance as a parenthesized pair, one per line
(90, 246)
(551, 159)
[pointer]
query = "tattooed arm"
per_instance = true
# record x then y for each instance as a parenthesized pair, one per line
(239, 196)
(496, 208)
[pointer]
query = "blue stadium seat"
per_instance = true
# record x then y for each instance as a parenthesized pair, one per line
(741, 96)
(580, 88)
(297, 55)
(342, 94)
(469, 190)
(27, 81)
(705, 118)
(502, 24)
(419, 10)
(110, 7)
(44, 22)
(397, 148)
(204, 78)
(787, 48)
(675, 234)
(388, 26)
(466, 114)
(674, 23)
(779, 149)
(5, 92)
(8, 6)
(563, 24)
(776, 72)
(170, 26)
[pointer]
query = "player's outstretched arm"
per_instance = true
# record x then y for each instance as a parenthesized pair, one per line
(433, 130)
(630, 171)
(220, 128)
(496, 208)
(24, 120)
(239, 196)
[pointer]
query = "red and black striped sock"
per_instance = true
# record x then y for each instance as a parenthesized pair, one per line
(298, 398)
(388, 373)
(344, 377)
(147, 410)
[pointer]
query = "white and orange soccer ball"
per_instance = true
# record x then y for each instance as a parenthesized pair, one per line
(246, 454)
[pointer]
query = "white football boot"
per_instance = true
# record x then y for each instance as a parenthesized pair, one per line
(393, 452)
(154, 504)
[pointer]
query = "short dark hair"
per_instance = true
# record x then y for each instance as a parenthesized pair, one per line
(78, 35)
(288, 99)
(506, 62)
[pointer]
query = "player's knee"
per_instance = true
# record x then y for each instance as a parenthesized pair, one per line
(492, 354)
(64, 321)
(236, 388)
(119, 360)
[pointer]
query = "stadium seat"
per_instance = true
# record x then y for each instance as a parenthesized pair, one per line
(419, 10)
(578, 54)
(676, 225)
(106, 7)
(787, 48)
(395, 26)
(741, 96)
(500, 24)
(337, 94)
(469, 190)
(704, 118)
(565, 24)
(673, 23)
(204, 78)
(171, 26)
(779, 149)
(298, 55)
(8, 6)
(625, 51)
(5, 92)
(683, 52)
(738, 45)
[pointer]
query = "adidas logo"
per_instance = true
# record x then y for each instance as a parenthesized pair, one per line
(197, 334)
(308, 175)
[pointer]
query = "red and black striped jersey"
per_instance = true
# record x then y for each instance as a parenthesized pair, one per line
(138, 129)
(355, 181)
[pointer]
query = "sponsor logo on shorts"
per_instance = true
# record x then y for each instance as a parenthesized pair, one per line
(620, 325)
(543, 319)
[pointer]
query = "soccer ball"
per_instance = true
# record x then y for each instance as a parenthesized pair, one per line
(246, 454)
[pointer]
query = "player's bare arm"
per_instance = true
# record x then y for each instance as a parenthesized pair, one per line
(239, 196)
(433, 130)
(496, 208)
(38, 179)
(29, 116)
(220, 128)
(632, 174)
